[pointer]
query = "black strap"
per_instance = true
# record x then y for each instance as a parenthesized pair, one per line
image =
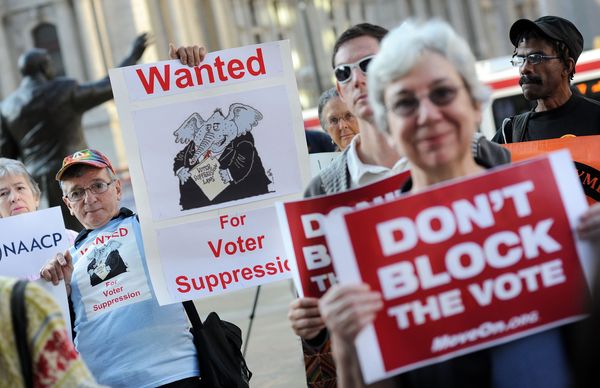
(519, 126)
(19, 321)
(515, 128)
(192, 313)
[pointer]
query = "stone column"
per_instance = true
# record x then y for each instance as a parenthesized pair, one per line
(9, 77)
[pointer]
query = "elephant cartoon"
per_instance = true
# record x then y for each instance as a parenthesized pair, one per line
(227, 138)
(106, 262)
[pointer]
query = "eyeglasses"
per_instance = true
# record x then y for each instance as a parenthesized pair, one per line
(348, 117)
(408, 103)
(343, 72)
(532, 59)
(95, 188)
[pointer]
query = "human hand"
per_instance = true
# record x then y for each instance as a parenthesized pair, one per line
(58, 268)
(184, 174)
(187, 55)
(225, 176)
(305, 318)
(347, 308)
(589, 224)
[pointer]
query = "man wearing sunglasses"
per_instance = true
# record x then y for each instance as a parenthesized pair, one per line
(368, 157)
(546, 51)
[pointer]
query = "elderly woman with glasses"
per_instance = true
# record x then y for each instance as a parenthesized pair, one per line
(336, 119)
(425, 94)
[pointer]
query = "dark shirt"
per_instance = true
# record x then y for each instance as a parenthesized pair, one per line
(579, 116)
(318, 141)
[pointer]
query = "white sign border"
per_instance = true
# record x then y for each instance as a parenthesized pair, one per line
(149, 228)
(344, 262)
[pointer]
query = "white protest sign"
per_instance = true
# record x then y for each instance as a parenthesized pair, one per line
(231, 252)
(221, 68)
(30, 240)
(225, 134)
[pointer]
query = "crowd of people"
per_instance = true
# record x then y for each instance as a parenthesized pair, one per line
(421, 92)
(406, 99)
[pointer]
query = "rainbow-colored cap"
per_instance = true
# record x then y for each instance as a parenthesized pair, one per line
(89, 157)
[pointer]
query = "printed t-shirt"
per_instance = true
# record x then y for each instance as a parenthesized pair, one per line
(122, 333)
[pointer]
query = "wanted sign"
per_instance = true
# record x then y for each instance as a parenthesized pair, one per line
(224, 137)
(216, 256)
(466, 265)
(304, 233)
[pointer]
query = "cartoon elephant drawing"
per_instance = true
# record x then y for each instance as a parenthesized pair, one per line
(106, 262)
(229, 139)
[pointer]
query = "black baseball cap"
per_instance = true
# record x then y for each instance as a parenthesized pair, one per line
(555, 28)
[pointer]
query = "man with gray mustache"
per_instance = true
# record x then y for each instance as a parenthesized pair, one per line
(546, 51)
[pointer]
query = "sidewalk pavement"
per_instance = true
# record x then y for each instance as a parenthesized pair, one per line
(274, 352)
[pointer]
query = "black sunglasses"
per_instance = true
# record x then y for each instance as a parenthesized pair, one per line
(343, 72)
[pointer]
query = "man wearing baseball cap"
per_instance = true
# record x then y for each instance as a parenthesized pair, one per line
(125, 337)
(546, 51)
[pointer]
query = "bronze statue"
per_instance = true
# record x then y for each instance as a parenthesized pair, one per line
(41, 120)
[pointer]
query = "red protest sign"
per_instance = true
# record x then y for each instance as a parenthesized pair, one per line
(304, 235)
(465, 265)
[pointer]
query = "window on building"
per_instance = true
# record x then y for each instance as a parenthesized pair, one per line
(45, 36)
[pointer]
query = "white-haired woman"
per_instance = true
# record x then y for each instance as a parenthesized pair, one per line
(425, 93)
(19, 193)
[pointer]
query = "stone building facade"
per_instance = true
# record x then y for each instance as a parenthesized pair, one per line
(87, 37)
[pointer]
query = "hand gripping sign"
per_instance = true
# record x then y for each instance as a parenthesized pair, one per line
(224, 137)
(304, 234)
(466, 265)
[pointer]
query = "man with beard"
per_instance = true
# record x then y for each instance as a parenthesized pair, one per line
(546, 51)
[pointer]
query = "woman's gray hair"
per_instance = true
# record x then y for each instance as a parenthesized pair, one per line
(401, 49)
(11, 167)
(324, 100)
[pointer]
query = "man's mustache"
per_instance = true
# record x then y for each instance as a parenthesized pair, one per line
(530, 79)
